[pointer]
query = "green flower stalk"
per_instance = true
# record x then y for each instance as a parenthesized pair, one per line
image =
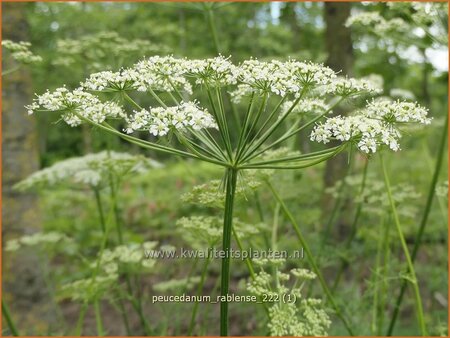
(413, 278)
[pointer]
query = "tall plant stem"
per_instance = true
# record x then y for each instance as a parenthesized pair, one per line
(9, 320)
(431, 192)
(101, 213)
(231, 180)
(199, 290)
(413, 277)
(136, 302)
(98, 318)
(310, 257)
(354, 227)
(80, 320)
(376, 280)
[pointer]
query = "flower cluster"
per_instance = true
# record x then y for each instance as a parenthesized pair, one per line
(281, 78)
(374, 126)
(442, 189)
(346, 87)
(306, 106)
(174, 285)
(403, 94)
(379, 25)
(206, 231)
(397, 111)
(301, 317)
(76, 105)
(88, 289)
(211, 194)
(20, 51)
(216, 72)
(48, 238)
(160, 120)
(162, 74)
(129, 258)
(367, 133)
(99, 48)
(91, 170)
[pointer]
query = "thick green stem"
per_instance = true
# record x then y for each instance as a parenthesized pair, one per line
(9, 320)
(311, 260)
(412, 278)
(231, 181)
(431, 192)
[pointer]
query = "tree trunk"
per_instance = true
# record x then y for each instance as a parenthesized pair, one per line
(23, 287)
(340, 58)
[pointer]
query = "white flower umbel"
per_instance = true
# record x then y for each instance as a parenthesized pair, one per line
(160, 120)
(163, 73)
(75, 105)
(298, 317)
(397, 111)
(377, 124)
(346, 87)
(214, 72)
(366, 133)
(20, 51)
(89, 170)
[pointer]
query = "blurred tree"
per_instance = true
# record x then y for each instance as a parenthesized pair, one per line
(23, 278)
(340, 58)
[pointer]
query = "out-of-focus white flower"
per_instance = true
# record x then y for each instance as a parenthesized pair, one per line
(20, 51)
(400, 93)
(345, 86)
(306, 106)
(90, 170)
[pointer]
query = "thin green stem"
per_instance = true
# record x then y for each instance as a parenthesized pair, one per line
(9, 71)
(311, 259)
(210, 16)
(255, 145)
(101, 214)
(219, 121)
(413, 277)
(156, 97)
(246, 144)
(384, 286)
(354, 226)
(376, 281)
(231, 181)
(130, 100)
(199, 291)
(417, 242)
(126, 321)
(7, 315)
(98, 318)
(80, 320)
(294, 131)
(337, 205)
